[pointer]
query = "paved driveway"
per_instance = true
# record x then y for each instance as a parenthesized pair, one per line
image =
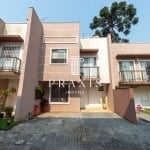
(77, 131)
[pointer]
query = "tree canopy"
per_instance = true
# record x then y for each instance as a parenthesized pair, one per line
(115, 20)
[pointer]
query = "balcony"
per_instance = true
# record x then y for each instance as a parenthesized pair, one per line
(10, 64)
(89, 72)
(134, 77)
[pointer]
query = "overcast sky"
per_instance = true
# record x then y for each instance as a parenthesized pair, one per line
(75, 10)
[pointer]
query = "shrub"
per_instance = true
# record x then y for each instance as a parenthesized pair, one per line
(139, 107)
(8, 109)
(39, 92)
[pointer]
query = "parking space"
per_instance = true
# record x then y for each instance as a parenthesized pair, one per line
(77, 131)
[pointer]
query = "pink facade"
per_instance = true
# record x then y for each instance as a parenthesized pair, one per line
(29, 70)
(58, 36)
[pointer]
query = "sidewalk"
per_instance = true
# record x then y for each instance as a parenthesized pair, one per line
(143, 116)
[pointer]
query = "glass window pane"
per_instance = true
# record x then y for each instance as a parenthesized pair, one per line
(89, 61)
(126, 68)
(126, 65)
(145, 70)
(59, 94)
(58, 56)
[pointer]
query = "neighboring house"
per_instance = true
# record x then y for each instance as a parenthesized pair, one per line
(74, 72)
(131, 68)
(19, 62)
(11, 53)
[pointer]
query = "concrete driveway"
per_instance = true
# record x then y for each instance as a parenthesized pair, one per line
(77, 131)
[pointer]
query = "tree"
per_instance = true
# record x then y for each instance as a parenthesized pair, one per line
(3, 94)
(115, 20)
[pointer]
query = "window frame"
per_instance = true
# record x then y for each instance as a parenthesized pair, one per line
(81, 64)
(142, 73)
(51, 52)
(59, 103)
(142, 60)
(126, 61)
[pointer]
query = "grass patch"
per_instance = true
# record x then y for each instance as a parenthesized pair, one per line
(146, 111)
(7, 123)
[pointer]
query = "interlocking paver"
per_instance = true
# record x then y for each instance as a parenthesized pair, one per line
(77, 131)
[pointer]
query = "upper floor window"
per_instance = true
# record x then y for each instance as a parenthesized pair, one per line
(10, 51)
(145, 65)
(59, 56)
(126, 70)
(126, 65)
(88, 62)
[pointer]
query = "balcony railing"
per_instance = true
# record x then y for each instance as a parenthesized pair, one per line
(134, 76)
(89, 72)
(10, 64)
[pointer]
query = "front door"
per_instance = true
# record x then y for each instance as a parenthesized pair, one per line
(84, 97)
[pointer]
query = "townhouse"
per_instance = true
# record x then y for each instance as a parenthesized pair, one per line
(12, 38)
(74, 72)
(130, 68)
(94, 70)
(129, 77)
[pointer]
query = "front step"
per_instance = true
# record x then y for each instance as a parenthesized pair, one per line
(94, 109)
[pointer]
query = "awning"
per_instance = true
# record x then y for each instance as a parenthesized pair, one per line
(133, 56)
(88, 50)
(11, 38)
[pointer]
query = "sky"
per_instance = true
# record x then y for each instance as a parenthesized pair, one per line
(83, 11)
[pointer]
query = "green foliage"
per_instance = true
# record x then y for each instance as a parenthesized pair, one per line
(114, 20)
(40, 89)
(147, 111)
(4, 125)
(39, 92)
(103, 99)
(6, 92)
(3, 94)
(1, 104)
(8, 109)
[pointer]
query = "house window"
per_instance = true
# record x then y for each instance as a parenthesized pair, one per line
(89, 62)
(59, 56)
(145, 70)
(145, 65)
(10, 51)
(59, 94)
(126, 70)
(88, 67)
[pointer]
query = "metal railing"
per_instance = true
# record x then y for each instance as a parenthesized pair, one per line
(89, 72)
(10, 64)
(134, 75)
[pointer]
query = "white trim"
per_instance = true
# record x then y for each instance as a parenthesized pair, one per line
(76, 39)
(58, 63)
